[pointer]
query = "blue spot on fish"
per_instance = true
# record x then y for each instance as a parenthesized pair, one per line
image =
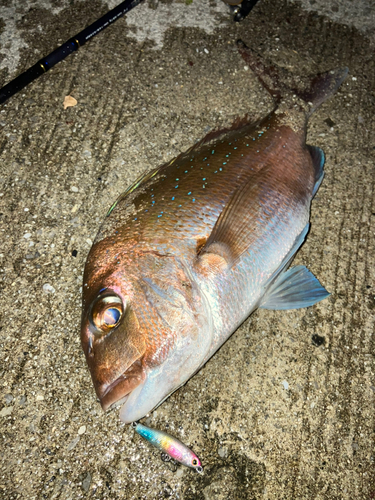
(189, 193)
(172, 198)
(176, 186)
(213, 151)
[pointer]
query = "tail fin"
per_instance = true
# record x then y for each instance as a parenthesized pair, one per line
(323, 86)
(279, 82)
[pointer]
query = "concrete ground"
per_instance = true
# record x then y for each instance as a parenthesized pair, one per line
(285, 410)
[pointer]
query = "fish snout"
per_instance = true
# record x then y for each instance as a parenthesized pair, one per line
(114, 347)
(117, 392)
(116, 367)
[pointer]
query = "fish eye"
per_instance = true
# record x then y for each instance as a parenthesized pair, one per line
(111, 317)
(107, 312)
(194, 461)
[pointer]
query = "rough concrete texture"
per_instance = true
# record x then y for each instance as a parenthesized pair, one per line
(285, 410)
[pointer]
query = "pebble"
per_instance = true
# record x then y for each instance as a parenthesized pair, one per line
(39, 397)
(86, 482)
(73, 443)
(82, 430)
(47, 288)
(8, 398)
(180, 472)
(285, 384)
(7, 410)
(27, 235)
(74, 189)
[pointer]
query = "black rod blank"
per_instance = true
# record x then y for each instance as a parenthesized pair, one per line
(65, 49)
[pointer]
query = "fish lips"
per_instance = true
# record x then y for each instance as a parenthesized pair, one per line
(117, 392)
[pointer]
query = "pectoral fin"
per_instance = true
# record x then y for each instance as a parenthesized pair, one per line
(241, 220)
(295, 288)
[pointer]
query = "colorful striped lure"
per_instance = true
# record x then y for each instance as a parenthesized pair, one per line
(169, 445)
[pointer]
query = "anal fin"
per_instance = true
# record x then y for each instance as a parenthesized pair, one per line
(293, 289)
(318, 159)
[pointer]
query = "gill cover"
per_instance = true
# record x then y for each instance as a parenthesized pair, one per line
(179, 308)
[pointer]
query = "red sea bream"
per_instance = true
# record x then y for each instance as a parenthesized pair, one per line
(194, 247)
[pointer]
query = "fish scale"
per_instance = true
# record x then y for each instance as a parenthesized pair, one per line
(180, 215)
(194, 246)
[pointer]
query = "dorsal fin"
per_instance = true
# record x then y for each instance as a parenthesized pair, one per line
(140, 180)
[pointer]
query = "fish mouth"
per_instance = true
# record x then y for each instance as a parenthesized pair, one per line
(117, 392)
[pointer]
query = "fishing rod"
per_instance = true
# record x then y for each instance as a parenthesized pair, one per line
(240, 8)
(65, 49)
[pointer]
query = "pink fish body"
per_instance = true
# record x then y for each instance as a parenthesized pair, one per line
(192, 248)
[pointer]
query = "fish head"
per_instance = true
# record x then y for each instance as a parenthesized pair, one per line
(146, 328)
(111, 339)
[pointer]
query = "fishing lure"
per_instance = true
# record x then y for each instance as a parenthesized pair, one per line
(169, 445)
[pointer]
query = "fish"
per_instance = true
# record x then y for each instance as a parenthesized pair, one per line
(169, 445)
(194, 246)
